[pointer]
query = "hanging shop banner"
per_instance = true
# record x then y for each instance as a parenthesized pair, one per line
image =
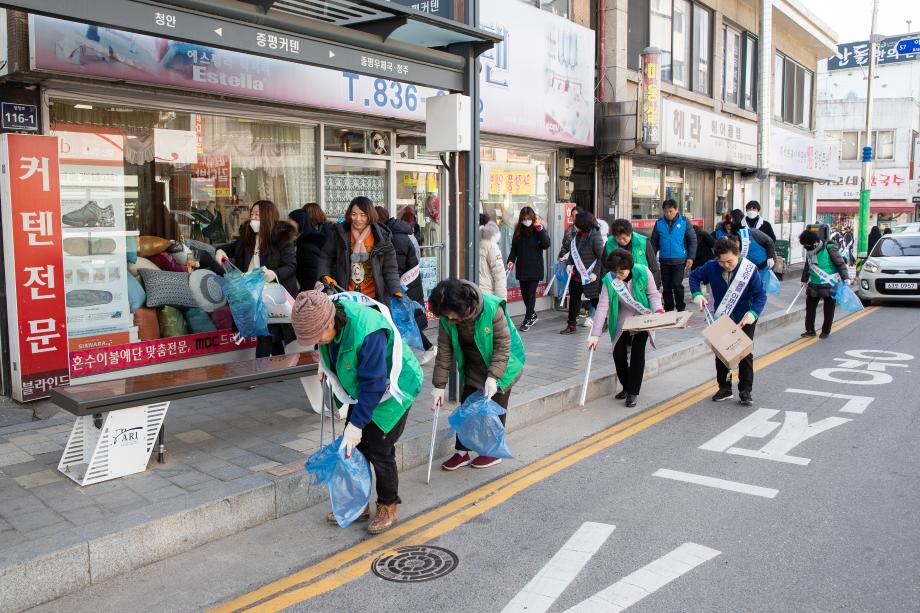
(650, 96)
(856, 55)
(513, 182)
(34, 266)
(887, 184)
(803, 156)
(690, 132)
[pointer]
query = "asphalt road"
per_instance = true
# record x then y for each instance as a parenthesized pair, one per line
(837, 529)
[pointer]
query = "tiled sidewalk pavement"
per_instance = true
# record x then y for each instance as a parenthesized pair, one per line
(214, 441)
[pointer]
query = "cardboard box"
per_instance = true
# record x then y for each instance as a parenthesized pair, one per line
(652, 321)
(728, 341)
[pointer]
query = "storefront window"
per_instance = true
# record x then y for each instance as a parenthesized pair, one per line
(725, 196)
(698, 194)
(790, 202)
(348, 178)
(418, 198)
(646, 192)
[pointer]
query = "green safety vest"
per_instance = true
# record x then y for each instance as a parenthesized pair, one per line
(638, 248)
(823, 260)
(483, 338)
(361, 321)
(639, 286)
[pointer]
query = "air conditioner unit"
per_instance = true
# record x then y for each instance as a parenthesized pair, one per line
(565, 190)
(566, 166)
(448, 123)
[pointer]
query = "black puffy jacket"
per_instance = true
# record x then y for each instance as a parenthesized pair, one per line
(406, 254)
(527, 249)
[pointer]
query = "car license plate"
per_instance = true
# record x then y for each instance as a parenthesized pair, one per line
(900, 286)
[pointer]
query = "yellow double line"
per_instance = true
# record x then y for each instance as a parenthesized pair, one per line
(354, 562)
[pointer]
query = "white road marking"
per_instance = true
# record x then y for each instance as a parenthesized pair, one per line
(548, 584)
(854, 404)
(647, 580)
(878, 354)
(732, 486)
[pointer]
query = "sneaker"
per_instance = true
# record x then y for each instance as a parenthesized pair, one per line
(621, 395)
(744, 398)
(458, 460)
(525, 325)
(569, 329)
(588, 322)
(807, 334)
(824, 335)
(723, 394)
(533, 319)
(485, 461)
(90, 215)
(428, 355)
(631, 400)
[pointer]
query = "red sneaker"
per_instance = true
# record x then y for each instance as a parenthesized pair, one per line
(485, 461)
(458, 460)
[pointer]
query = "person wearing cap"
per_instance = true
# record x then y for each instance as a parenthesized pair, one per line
(754, 220)
(370, 368)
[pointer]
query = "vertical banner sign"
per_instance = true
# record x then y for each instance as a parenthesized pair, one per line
(33, 257)
(651, 98)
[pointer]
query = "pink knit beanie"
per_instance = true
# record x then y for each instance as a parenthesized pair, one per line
(312, 313)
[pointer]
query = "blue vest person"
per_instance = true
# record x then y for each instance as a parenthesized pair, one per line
(675, 242)
(755, 245)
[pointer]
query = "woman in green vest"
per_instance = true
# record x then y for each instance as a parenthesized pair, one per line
(476, 331)
(822, 261)
(371, 369)
(623, 237)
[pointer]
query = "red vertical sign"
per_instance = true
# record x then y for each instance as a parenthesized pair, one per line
(34, 264)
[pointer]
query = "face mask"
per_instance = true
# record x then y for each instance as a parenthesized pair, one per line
(527, 223)
(752, 214)
(254, 224)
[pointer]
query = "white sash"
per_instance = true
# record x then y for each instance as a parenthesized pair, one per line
(745, 235)
(626, 296)
(584, 273)
(759, 222)
(410, 275)
(393, 388)
(746, 271)
(826, 278)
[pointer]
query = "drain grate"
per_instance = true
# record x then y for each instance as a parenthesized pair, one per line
(414, 564)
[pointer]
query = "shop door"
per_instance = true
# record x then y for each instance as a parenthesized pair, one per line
(419, 202)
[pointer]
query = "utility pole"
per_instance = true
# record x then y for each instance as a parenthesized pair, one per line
(865, 192)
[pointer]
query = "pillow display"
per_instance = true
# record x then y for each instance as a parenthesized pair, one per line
(131, 249)
(151, 245)
(207, 290)
(136, 294)
(181, 255)
(172, 323)
(166, 288)
(140, 264)
(148, 326)
(198, 321)
(165, 261)
(223, 318)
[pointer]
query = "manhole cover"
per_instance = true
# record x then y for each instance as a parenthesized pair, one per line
(416, 563)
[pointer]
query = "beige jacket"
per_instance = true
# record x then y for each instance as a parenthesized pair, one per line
(492, 277)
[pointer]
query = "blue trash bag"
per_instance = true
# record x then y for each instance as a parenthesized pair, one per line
(847, 298)
(478, 427)
(771, 283)
(562, 275)
(244, 295)
(402, 310)
(348, 480)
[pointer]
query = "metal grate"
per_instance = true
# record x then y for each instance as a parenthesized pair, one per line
(415, 564)
(336, 12)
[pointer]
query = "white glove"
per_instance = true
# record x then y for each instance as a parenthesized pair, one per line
(438, 398)
(849, 282)
(510, 266)
(269, 275)
(221, 256)
(748, 319)
(701, 302)
(351, 438)
(770, 263)
(591, 345)
(490, 387)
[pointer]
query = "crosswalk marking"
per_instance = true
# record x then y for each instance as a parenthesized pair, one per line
(732, 486)
(648, 579)
(548, 584)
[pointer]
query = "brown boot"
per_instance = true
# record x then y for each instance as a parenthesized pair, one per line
(384, 519)
(569, 329)
(363, 517)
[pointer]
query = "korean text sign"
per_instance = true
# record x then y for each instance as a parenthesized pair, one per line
(34, 264)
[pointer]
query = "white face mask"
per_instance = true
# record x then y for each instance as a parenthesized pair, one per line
(527, 223)
(254, 224)
(753, 214)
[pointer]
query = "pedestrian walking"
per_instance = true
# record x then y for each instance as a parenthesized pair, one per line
(822, 263)
(568, 234)
(313, 232)
(587, 258)
(704, 244)
(526, 259)
(755, 245)
(675, 243)
(268, 243)
(875, 234)
(492, 278)
(476, 332)
(753, 219)
(630, 290)
(360, 255)
(372, 370)
(623, 236)
(739, 293)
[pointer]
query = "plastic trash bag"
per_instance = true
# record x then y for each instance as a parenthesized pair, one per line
(847, 298)
(562, 275)
(402, 310)
(771, 283)
(244, 295)
(478, 427)
(279, 304)
(348, 480)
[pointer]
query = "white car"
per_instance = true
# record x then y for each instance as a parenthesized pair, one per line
(892, 270)
(913, 226)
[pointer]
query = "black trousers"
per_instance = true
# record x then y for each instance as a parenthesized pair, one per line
(576, 291)
(380, 450)
(529, 296)
(630, 368)
(811, 312)
(267, 345)
(745, 368)
(672, 282)
(501, 399)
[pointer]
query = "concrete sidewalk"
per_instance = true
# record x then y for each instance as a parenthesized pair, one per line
(235, 460)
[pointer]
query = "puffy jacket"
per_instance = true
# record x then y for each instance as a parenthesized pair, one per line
(675, 241)
(824, 291)
(527, 249)
(282, 260)
(761, 248)
(591, 249)
(406, 254)
(492, 277)
(309, 246)
(335, 260)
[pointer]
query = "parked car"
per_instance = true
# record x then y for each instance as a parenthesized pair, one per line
(913, 226)
(892, 270)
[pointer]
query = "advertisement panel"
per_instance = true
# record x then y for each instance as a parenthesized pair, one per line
(803, 156)
(691, 132)
(887, 184)
(32, 250)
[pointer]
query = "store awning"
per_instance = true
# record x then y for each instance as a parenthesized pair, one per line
(367, 37)
(875, 206)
